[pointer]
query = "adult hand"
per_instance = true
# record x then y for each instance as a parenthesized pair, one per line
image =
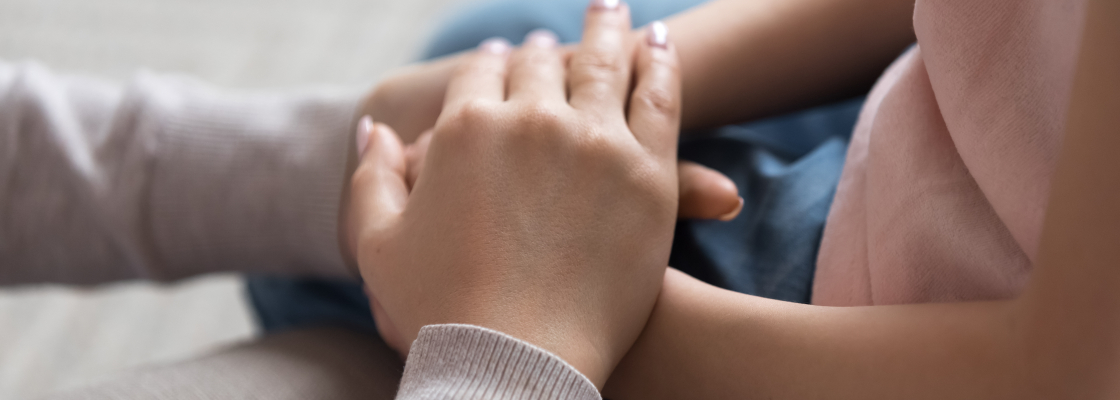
(410, 101)
(704, 192)
(545, 216)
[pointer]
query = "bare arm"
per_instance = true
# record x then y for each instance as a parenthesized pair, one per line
(1059, 339)
(739, 60)
(748, 59)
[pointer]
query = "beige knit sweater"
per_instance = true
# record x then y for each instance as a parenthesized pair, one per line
(168, 177)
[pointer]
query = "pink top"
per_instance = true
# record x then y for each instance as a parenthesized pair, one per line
(947, 178)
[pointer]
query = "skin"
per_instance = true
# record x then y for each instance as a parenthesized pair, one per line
(740, 60)
(552, 214)
(743, 60)
(1060, 339)
(410, 101)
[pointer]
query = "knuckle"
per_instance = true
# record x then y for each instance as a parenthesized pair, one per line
(468, 119)
(478, 66)
(599, 63)
(536, 57)
(599, 90)
(659, 100)
(473, 112)
(536, 125)
(667, 63)
(598, 148)
(537, 116)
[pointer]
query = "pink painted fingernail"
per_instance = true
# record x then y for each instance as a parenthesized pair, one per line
(365, 128)
(495, 45)
(658, 35)
(543, 38)
(605, 4)
(734, 213)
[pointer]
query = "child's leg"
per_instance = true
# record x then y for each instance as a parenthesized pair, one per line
(787, 169)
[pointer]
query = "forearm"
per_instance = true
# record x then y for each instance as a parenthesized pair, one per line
(165, 178)
(1073, 299)
(1059, 339)
(704, 342)
(748, 59)
(739, 60)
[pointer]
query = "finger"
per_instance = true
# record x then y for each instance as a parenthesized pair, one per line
(706, 193)
(655, 105)
(536, 70)
(411, 99)
(481, 76)
(378, 189)
(414, 156)
(599, 70)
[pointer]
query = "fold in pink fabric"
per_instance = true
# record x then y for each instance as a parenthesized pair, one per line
(944, 190)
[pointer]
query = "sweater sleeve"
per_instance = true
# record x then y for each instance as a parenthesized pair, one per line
(165, 178)
(470, 362)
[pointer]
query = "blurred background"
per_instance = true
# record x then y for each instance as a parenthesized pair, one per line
(53, 337)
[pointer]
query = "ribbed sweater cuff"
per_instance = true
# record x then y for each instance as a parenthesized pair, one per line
(469, 362)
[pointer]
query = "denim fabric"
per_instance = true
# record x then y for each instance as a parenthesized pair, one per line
(786, 168)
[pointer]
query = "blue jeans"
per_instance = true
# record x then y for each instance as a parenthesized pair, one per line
(786, 167)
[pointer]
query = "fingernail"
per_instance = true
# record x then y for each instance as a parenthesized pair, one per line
(365, 128)
(734, 213)
(605, 4)
(495, 45)
(658, 35)
(542, 38)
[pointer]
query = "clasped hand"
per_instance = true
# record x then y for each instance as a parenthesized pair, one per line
(546, 202)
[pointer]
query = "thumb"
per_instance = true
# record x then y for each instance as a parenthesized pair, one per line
(378, 190)
(706, 193)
